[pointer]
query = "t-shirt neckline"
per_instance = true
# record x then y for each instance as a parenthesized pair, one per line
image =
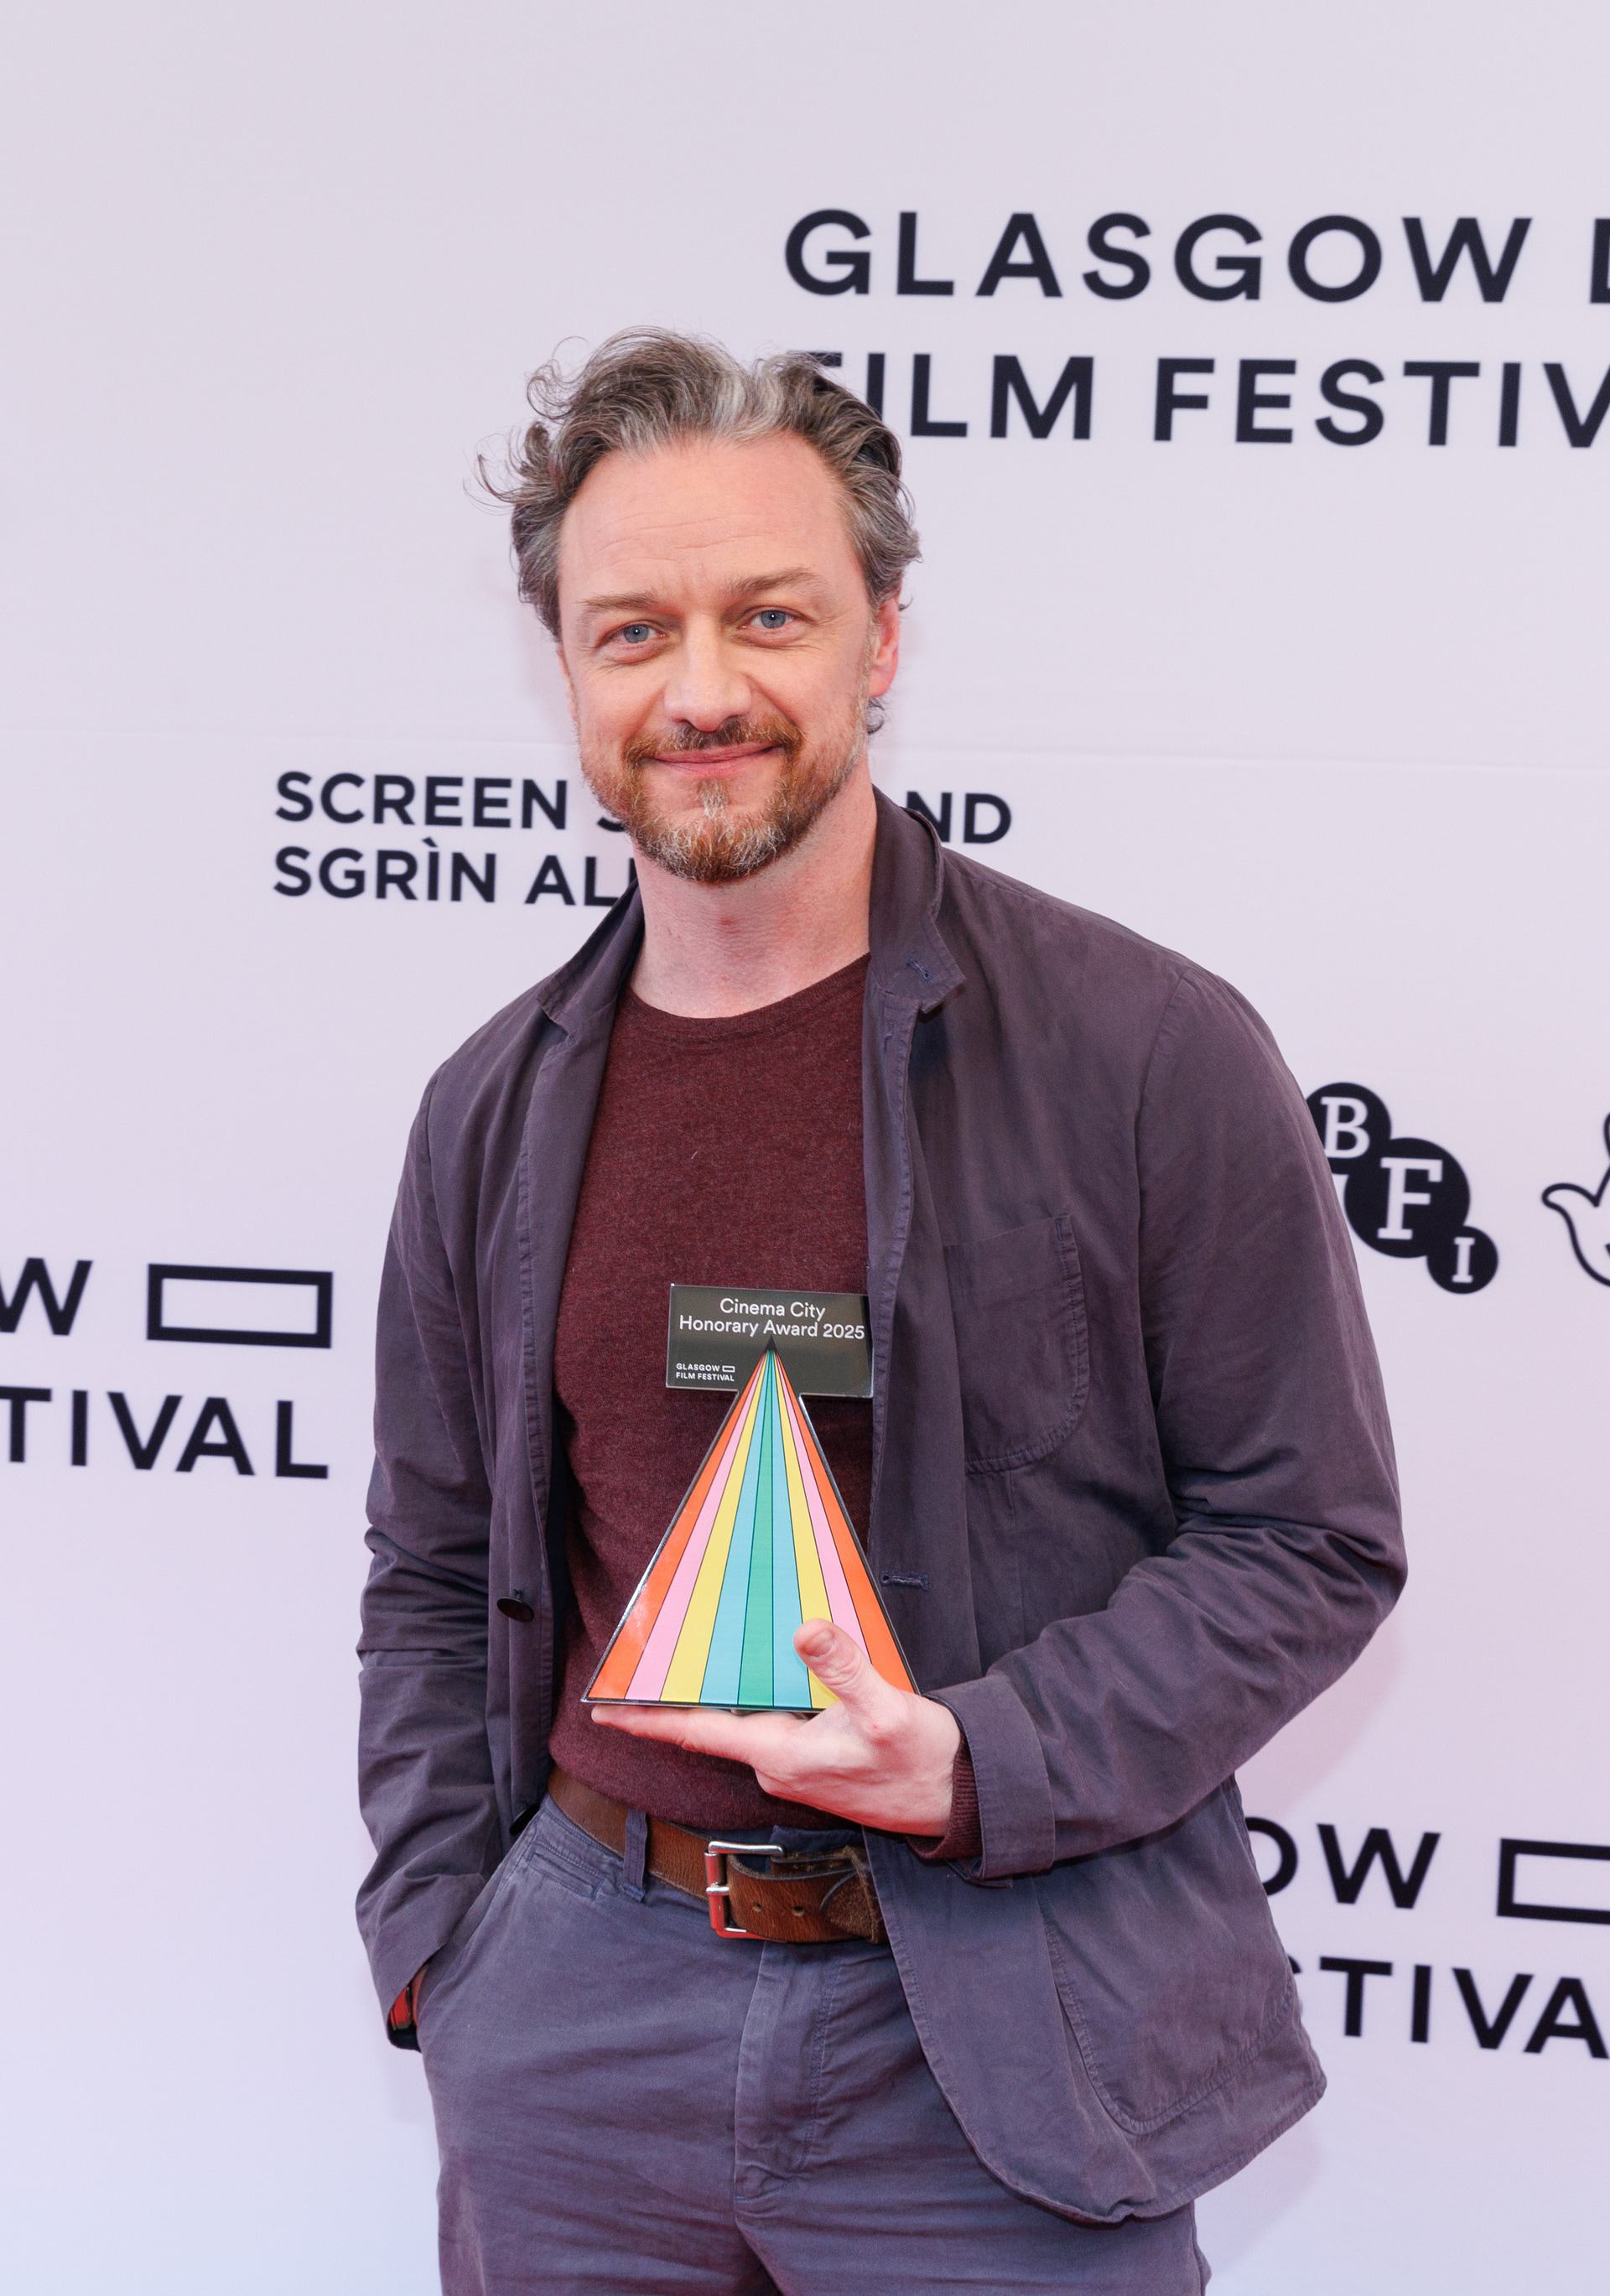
(785, 1012)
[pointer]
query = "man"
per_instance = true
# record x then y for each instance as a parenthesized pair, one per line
(1011, 1997)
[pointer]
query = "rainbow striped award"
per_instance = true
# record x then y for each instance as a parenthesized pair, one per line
(760, 1543)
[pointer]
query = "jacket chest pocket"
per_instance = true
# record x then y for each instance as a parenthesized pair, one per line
(1018, 1303)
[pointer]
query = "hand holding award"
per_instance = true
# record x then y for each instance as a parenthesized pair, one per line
(758, 1610)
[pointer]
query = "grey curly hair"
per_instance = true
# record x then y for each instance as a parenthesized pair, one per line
(647, 388)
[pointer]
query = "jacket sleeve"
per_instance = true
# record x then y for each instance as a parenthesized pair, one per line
(424, 1764)
(1287, 1551)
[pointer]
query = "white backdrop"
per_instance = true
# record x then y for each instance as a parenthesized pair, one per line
(1329, 718)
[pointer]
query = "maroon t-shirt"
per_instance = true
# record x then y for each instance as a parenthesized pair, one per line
(723, 1151)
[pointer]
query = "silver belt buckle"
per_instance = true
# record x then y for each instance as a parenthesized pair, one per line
(717, 1887)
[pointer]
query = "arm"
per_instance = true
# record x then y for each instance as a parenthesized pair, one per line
(1274, 1433)
(424, 1766)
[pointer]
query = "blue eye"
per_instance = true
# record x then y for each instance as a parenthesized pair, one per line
(636, 633)
(774, 618)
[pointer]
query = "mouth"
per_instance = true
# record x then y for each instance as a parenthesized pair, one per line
(705, 762)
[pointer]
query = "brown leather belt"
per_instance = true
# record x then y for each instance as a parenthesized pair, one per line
(775, 1896)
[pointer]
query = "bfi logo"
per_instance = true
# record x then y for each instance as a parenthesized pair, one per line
(1407, 1198)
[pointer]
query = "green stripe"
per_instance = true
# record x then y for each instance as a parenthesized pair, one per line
(754, 1671)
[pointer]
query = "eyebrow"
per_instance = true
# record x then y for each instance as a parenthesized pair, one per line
(623, 602)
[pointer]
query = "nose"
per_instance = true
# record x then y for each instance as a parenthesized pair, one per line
(706, 686)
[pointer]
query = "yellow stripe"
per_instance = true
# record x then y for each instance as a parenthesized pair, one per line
(685, 1676)
(813, 1586)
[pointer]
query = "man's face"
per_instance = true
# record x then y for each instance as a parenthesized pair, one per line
(719, 648)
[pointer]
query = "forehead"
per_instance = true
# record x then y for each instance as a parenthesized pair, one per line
(701, 517)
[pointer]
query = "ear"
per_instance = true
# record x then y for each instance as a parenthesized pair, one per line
(885, 657)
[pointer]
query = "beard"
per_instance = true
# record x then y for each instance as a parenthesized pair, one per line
(724, 842)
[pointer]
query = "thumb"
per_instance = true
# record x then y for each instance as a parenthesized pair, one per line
(837, 1660)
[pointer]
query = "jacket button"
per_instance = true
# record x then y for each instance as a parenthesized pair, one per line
(517, 1605)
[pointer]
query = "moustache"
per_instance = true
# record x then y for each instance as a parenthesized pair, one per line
(687, 740)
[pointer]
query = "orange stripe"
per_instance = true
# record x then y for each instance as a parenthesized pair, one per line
(620, 1660)
(882, 1648)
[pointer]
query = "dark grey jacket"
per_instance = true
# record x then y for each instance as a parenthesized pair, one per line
(1128, 1431)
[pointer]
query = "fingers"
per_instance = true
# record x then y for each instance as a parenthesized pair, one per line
(840, 1665)
(750, 1738)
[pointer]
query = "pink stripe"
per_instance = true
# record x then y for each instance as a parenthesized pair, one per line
(648, 1676)
(839, 1601)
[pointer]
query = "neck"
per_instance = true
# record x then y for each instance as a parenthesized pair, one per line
(710, 951)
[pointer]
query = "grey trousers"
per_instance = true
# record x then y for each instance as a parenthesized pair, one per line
(625, 2101)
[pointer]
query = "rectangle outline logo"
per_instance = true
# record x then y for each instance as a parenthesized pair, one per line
(1511, 1852)
(160, 1272)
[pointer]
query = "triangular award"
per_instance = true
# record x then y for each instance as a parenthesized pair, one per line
(760, 1543)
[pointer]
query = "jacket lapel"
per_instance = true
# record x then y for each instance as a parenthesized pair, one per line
(579, 1002)
(917, 1537)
